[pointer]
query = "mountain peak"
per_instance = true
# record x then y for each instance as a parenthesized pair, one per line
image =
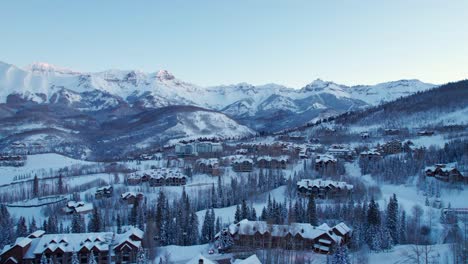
(164, 75)
(44, 67)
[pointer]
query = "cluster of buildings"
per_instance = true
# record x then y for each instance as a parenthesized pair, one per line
(295, 236)
(446, 173)
(12, 160)
(242, 163)
(208, 166)
(325, 161)
(197, 148)
(324, 188)
(104, 192)
(107, 247)
(158, 177)
(74, 207)
(132, 197)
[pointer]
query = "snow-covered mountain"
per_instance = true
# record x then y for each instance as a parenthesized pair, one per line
(252, 105)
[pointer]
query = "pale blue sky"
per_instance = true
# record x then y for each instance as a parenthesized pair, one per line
(224, 42)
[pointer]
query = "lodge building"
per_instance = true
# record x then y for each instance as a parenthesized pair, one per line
(295, 236)
(107, 247)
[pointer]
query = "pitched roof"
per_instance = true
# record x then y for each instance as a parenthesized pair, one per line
(250, 260)
(319, 183)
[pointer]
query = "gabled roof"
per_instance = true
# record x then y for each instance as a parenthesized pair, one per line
(196, 260)
(250, 260)
(319, 183)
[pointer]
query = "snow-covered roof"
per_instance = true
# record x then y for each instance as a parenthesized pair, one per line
(250, 260)
(211, 161)
(371, 152)
(73, 242)
(78, 206)
(197, 259)
(127, 195)
(325, 158)
(270, 158)
(319, 183)
(241, 159)
(305, 230)
(36, 234)
(159, 173)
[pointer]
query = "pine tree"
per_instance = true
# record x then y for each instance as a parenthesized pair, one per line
(238, 214)
(218, 225)
(205, 237)
(44, 259)
(74, 259)
(119, 224)
(21, 229)
(141, 256)
(91, 258)
(245, 213)
(312, 211)
(340, 256)
(36, 186)
(253, 214)
(392, 219)
(95, 224)
(77, 223)
(61, 189)
(32, 226)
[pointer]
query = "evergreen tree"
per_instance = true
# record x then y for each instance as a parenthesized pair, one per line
(36, 186)
(119, 224)
(44, 259)
(253, 214)
(205, 233)
(245, 212)
(32, 226)
(95, 224)
(77, 225)
(74, 259)
(141, 256)
(91, 258)
(21, 229)
(312, 211)
(340, 256)
(60, 187)
(392, 219)
(218, 225)
(238, 214)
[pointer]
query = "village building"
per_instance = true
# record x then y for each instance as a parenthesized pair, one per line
(131, 197)
(324, 189)
(269, 162)
(391, 147)
(365, 135)
(391, 132)
(295, 236)
(340, 151)
(425, 133)
(158, 177)
(12, 160)
(208, 166)
(371, 155)
(446, 173)
(325, 161)
(196, 148)
(242, 164)
(73, 207)
(104, 192)
(107, 247)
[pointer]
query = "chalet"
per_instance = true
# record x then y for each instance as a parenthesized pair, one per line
(208, 166)
(107, 247)
(12, 160)
(340, 151)
(371, 155)
(324, 188)
(158, 177)
(425, 133)
(445, 172)
(134, 179)
(131, 197)
(365, 135)
(73, 207)
(268, 162)
(242, 164)
(391, 147)
(391, 132)
(325, 161)
(295, 236)
(104, 192)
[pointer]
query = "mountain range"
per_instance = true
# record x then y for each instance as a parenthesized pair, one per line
(109, 106)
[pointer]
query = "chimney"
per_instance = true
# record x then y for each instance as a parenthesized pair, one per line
(200, 261)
